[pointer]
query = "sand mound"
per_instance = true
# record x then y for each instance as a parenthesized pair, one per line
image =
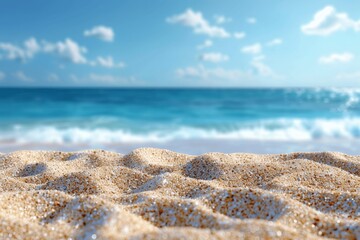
(159, 194)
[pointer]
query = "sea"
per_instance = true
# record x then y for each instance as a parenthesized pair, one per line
(193, 121)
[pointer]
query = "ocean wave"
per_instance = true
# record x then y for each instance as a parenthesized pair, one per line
(270, 130)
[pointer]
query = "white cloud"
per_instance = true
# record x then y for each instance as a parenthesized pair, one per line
(13, 52)
(239, 35)
(349, 76)
(203, 73)
(251, 20)
(328, 20)
(336, 57)
(94, 79)
(274, 42)
(208, 43)
(102, 32)
(196, 21)
(214, 57)
(261, 68)
(108, 62)
(68, 50)
(252, 49)
(222, 19)
(112, 79)
(22, 77)
(32, 47)
(105, 78)
(2, 76)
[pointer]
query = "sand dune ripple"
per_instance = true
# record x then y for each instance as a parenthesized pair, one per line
(159, 194)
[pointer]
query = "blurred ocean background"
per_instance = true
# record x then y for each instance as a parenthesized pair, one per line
(186, 120)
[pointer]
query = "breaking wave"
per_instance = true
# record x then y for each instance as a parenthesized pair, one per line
(269, 130)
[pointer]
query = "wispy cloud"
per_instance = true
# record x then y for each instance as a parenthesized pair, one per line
(206, 44)
(198, 23)
(261, 68)
(328, 20)
(22, 76)
(251, 20)
(214, 57)
(252, 49)
(53, 77)
(101, 32)
(109, 62)
(104, 79)
(337, 57)
(239, 35)
(111, 79)
(274, 42)
(200, 72)
(2, 76)
(220, 19)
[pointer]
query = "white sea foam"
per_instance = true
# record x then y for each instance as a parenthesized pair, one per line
(270, 130)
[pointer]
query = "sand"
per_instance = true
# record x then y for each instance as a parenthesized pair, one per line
(158, 194)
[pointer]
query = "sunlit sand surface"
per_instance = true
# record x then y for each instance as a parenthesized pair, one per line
(158, 194)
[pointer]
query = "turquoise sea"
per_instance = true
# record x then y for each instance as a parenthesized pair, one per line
(187, 120)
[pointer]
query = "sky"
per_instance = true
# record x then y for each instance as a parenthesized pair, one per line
(180, 43)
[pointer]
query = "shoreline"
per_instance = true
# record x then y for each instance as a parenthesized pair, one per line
(201, 146)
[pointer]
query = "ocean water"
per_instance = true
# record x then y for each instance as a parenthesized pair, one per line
(188, 120)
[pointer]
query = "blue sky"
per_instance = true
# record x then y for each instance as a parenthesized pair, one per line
(248, 43)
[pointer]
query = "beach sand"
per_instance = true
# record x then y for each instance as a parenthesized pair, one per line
(158, 194)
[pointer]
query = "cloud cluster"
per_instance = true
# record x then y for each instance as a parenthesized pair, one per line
(219, 73)
(13, 52)
(68, 50)
(328, 20)
(337, 57)
(198, 23)
(259, 68)
(101, 32)
(214, 57)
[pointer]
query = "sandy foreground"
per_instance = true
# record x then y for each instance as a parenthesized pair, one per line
(158, 194)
